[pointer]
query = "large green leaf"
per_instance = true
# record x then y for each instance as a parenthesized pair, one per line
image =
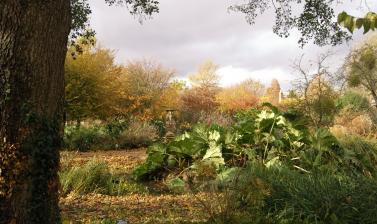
(214, 155)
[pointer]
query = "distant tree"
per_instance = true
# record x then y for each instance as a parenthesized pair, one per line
(242, 96)
(143, 84)
(315, 20)
(91, 82)
(171, 98)
(202, 96)
(315, 94)
(361, 67)
(206, 76)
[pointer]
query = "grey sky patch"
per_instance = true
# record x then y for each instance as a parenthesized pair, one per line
(186, 33)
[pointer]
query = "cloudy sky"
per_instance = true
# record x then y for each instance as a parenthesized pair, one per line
(188, 32)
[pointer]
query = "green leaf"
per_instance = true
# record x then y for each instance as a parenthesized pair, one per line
(273, 162)
(214, 136)
(214, 155)
(176, 184)
(366, 26)
(342, 17)
(349, 23)
(359, 23)
(228, 175)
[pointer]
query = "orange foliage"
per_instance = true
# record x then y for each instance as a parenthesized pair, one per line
(144, 85)
(239, 97)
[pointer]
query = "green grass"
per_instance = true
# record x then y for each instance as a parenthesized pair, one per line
(96, 177)
(282, 195)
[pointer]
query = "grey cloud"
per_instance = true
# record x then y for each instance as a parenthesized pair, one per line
(185, 33)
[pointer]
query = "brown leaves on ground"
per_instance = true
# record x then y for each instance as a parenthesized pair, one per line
(124, 160)
(136, 208)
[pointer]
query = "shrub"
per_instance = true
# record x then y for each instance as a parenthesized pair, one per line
(258, 135)
(216, 118)
(282, 195)
(360, 155)
(86, 138)
(160, 127)
(355, 122)
(94, 176)
(115, 127)
(355, 101)
(138, 134)
(362, 124)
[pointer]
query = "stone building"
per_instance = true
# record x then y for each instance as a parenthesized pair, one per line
(274, 93)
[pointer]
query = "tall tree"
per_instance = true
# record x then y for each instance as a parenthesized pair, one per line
(202, 96)
(361, 67)
(316, 97)
(33, 45)
(91, 82)
(143, 84)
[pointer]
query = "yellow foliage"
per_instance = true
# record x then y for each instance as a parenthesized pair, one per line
(91, 83)
(206, 76)
(146, 90)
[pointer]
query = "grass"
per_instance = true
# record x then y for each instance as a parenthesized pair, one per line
(282, 195)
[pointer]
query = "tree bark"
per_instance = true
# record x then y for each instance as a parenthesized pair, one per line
(33, 44)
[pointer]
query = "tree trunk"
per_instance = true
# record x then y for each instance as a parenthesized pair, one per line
(33, 40)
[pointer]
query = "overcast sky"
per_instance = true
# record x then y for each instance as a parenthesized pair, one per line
(188, 32)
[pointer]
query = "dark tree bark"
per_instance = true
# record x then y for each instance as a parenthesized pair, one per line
(33, 44)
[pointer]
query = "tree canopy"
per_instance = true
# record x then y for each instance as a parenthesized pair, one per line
(361, 67)
(314, 19)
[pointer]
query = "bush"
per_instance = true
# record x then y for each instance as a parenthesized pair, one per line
(95, 177)
(355, 101)
(160, 126)
(115, 127)
(282, 195)
(113, 135)
(216, 118)
(84, 139)
(355, 122)
(360, 155)
(138, 134)
(258, 135)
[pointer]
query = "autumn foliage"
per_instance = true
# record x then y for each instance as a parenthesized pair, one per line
(240, 97)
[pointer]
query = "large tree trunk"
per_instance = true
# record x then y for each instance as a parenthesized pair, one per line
(33, 40)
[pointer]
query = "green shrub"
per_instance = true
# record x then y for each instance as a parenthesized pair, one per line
(357, 102)
(360, 155)
(84, 139)
(282, 195)
(264, 135)
(94, 176)
(138, 134)
(115, 127)
(160, 126)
